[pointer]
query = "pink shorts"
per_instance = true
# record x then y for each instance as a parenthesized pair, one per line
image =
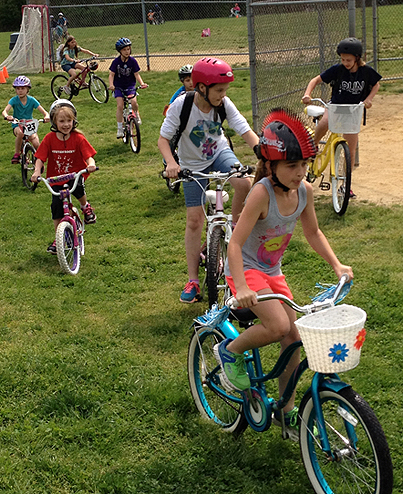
(256, 281)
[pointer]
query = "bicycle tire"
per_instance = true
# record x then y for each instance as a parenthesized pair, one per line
(28, 166)
(212, 401)
(134, 135)
(69, 257)
(80, 229)
(341, 182)
(364, 466)
(56, 87)
(217, 286)
(98, 89)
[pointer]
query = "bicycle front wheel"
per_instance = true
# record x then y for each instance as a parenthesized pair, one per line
(28, 166)
(68, 256)
(341, 182)
(211, 399)
(134, 135)
(361, 462)
(217, 286)
(98, 90)
(57, 85)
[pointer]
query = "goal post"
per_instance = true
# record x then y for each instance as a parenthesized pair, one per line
(31, 53)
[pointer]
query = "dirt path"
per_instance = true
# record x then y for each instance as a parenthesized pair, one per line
(378, 178)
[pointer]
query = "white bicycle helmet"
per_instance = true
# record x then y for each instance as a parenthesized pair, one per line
(58, 104)
(185, 71)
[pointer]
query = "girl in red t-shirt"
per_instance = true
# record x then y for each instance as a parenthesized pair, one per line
(66, 150)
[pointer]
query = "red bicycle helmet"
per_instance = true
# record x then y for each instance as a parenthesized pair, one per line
(211, 71)
(284, 137)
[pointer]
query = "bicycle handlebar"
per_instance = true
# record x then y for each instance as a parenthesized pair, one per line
(63, 178)
(326, 105)
(186, 175)
(305, 309)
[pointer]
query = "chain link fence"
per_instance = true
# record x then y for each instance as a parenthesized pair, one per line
(181, 33)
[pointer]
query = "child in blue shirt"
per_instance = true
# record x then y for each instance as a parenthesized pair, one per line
(123, 74)
(185, 76)
(23, 106)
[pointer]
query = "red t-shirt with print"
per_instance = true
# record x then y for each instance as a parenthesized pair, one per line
(65, 156)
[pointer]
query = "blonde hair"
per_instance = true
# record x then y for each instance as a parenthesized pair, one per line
(69, 114)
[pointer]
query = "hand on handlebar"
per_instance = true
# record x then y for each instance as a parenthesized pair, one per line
(347, 270)
(91, 168)
(246, 298)
(143, 86)
(172, 169)
(306, 100)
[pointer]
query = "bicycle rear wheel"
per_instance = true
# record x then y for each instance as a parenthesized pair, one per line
(28, 166)
(134, 135)
(361, 454)
(98, 89)
(56, 86)
(217, 286)
(211, 399)
(69, 257)
(341, 182)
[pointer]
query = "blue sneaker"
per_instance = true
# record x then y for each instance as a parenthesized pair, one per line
(234, 376)
(290, 418)
(190, 293)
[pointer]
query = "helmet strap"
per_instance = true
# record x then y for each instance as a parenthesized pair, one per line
(277, 182)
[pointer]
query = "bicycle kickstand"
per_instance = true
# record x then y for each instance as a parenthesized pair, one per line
(324, 185)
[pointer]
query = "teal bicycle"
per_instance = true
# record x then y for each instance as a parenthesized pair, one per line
(342, 444)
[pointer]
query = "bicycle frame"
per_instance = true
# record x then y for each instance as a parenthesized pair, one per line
(326, 156)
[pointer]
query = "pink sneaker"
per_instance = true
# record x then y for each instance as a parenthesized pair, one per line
(89, 215)
(190, 293)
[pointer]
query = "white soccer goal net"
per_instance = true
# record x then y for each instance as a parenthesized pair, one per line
(31, 52)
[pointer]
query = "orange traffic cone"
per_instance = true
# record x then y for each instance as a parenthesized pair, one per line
(5, 72)
(2, 78)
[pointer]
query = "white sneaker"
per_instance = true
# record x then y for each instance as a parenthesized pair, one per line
(120, 134)
(67, 90)
(138, 119)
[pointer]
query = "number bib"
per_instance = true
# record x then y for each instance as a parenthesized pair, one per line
(29, 127)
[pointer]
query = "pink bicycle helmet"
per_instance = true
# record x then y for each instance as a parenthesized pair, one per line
(21, 81)
(211, 71)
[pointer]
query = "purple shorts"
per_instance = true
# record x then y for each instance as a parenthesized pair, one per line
(129, 91)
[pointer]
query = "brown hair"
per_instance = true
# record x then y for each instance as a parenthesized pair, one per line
(66, 45)
(70, 114)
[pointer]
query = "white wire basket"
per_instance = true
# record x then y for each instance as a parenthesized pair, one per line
(333, 338)
(345, 119)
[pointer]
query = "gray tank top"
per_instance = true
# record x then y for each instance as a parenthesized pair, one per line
(265, 246)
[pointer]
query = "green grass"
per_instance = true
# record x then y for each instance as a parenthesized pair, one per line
(94, 392)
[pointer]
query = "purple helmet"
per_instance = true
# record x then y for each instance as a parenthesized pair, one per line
(21, 81)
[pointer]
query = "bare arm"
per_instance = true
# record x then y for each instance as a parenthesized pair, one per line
(370, 97)
(111, 76)
(311, 86)
(172, 168)
(44, 113)
(89, 52)
(250, 138)
(5, 113)
(140, 80)
(38, 169)
(90, 164)
(317, 239)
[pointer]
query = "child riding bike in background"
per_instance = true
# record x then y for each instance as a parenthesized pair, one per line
(352, 82)
(279, 197)
(123, 74)
(68, 60)
(185, 76)
(22, 105)
(66, 150)
(203, 147)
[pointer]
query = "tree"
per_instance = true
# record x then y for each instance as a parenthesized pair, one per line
(10, 15)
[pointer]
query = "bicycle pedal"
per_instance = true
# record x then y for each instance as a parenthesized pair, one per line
(324, 186)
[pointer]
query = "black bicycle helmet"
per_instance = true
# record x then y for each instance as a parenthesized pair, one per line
(351, 46)
(122, 43)
(284, 137)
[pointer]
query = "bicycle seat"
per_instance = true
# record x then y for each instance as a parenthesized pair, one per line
(314, 111)
(243, 316)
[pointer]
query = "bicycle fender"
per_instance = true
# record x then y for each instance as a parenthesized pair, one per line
(332, 383)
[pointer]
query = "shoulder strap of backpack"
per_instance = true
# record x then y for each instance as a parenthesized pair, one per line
(184, 118)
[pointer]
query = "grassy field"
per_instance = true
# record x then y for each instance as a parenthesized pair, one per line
(94, 392)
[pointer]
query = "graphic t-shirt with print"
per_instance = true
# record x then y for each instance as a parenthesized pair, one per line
(64, 156)
(203, 138)
(267, 242)
(124, 72)
(353, 86)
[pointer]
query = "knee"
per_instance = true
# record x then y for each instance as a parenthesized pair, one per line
(242, 187)
(195, 223)
(280, 330)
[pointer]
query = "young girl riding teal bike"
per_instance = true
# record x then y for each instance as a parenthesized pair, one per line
(280, 197)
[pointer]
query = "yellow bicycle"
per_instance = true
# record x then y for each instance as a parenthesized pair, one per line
(334, 152)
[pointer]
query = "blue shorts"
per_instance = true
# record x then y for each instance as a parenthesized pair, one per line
(193, 193)
(129, 91)
(67, 66)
